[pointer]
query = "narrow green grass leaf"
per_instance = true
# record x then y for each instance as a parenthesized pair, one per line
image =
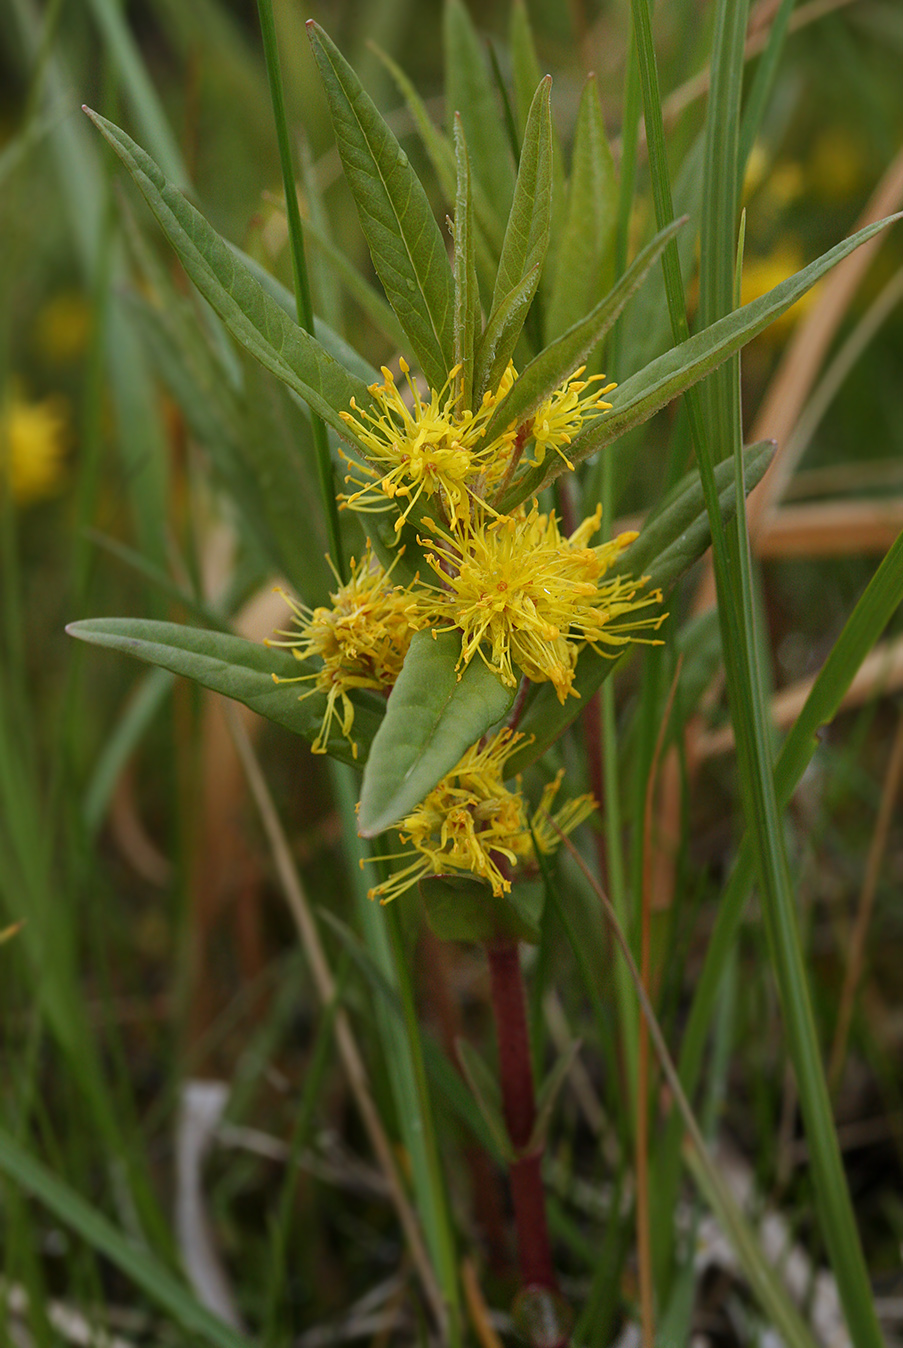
(670, 543)
(584, 253)
(121, 743)
(763, 1279)
(551, 367)
(738, 612)
(259, 324)
(432, 718)
(152, 1277)
(405, 243)
(382, 955)
(230, 665)
(488, 1096)
(469, 91)
(642, 394)
(443, 1075)
(467, 292)
(525, 67)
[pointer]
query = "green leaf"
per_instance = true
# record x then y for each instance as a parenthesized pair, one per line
(257, 444)
(462, 908)
(670, 542)
(405, 243)
(562, 357)
(467, 293)
(469, 91)
(328, 338)
(501, 333)
(524, 248)
(432, 718)
(677, 533)
(368, 296)
(255, 320)
(527, 231)
(230, 665)
(583, 254)
(635, 401)
(441, 155)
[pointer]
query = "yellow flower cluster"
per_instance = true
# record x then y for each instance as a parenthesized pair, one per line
(524, 597)
(471, 822)
(361, 641)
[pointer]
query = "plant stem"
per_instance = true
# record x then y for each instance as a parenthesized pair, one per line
(510, 1007)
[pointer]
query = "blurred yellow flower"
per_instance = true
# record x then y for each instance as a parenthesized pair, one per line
(62, 327)
(761, 274)
(32, 447)
(472, 822)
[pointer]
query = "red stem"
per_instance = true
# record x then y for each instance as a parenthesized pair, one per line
(518, 1101)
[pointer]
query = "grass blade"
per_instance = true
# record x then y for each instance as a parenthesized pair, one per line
(137, 1264)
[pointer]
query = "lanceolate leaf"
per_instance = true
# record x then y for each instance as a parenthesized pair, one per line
(239, 669)
(467, 295)
(524, 248)
(677, 533)
(670, 543)
(525, 75)
(405, 242)
(442, 157)
(553, 365)
(583, 255)
(255, 320)
(431, 719)
(501, 333)
(663, 379)
(527, 232)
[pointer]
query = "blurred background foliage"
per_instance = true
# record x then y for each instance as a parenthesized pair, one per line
(156, 948)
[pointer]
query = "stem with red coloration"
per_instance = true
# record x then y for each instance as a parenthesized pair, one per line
(516, 1072)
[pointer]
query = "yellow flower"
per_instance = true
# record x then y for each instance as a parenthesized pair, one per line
(472, 822)
(560, 417)
(437, 450)
(362, 641)
(525, 597)
(32, 448)
(430, 448)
